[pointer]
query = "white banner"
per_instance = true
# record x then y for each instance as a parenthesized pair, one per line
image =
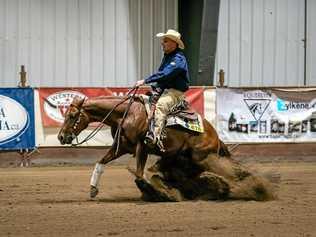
(246, 116)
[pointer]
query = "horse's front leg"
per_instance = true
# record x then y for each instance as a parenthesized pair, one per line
(99, 169)
(141, 158)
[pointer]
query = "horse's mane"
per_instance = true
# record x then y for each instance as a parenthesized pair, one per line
(107, 97)
(112, 97)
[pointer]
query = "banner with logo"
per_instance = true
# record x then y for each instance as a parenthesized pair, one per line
(17, 119)
(55, 101)
(267, 115)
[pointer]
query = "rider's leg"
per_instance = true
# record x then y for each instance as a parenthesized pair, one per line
(167, 100)
(150, 133)
(153, 101)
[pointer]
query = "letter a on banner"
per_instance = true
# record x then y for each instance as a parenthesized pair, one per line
(17, 130)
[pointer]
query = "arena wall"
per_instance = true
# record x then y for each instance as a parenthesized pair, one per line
(267, 43)
(82, 43)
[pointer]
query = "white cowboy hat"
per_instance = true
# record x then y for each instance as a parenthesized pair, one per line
(173, 35)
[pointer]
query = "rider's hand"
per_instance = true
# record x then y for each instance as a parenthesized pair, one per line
(140, 83)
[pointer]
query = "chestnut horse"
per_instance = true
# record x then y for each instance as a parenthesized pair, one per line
(110, 110)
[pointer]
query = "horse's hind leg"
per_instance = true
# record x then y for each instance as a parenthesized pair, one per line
(211, 186)
(99, 169)
(157, 190)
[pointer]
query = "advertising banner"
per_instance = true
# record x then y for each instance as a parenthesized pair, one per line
(17, 119)
(195, 96)
(55, 101)
(267, 115)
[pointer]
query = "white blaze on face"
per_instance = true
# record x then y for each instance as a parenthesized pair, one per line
(13, 119)
(59, 103)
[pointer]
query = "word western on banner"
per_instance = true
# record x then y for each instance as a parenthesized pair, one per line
(273, 115)
(55, 101)
(17, 118)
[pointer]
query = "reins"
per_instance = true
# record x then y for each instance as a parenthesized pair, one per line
(101, 124)
(116, 139)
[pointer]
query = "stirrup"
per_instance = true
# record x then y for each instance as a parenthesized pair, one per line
(154, 142)
(150, 138)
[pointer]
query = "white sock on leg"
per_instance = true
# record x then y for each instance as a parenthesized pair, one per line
(97, 172)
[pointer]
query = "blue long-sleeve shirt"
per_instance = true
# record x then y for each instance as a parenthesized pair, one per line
(172, 73)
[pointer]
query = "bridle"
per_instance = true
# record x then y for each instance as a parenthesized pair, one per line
(130, 96)
(76, 123)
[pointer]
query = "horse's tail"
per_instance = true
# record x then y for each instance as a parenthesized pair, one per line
(223, 149)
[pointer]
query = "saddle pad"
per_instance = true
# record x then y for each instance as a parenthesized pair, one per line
(193, 125)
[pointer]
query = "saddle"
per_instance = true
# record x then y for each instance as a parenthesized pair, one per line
(183, 110)
(181, 114)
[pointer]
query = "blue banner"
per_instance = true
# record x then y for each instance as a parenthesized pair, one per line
(17, 129)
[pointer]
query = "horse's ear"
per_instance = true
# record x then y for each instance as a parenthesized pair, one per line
(81, 102)
(78, 101)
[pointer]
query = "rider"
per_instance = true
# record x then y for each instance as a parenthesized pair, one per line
(169, 82)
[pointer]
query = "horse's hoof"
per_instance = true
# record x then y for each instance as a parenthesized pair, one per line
(93, 191)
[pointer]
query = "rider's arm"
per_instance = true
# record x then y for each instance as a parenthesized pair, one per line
(170, 71)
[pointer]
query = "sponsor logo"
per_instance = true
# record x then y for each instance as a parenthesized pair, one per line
(294, 106)
(56, 105)
(281, 105)
(257, 107)
(257, 95)
(14, 120)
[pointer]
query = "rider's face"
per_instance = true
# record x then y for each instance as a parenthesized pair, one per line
(168, 45)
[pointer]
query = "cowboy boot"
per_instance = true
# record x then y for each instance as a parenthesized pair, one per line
(150, 138)
(159, 138)
(150, 135)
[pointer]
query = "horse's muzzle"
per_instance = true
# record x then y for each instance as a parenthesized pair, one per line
(64, 139)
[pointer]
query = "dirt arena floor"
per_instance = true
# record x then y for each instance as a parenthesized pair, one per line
(54, 201)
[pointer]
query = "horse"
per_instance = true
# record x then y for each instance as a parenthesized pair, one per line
(131, 120)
